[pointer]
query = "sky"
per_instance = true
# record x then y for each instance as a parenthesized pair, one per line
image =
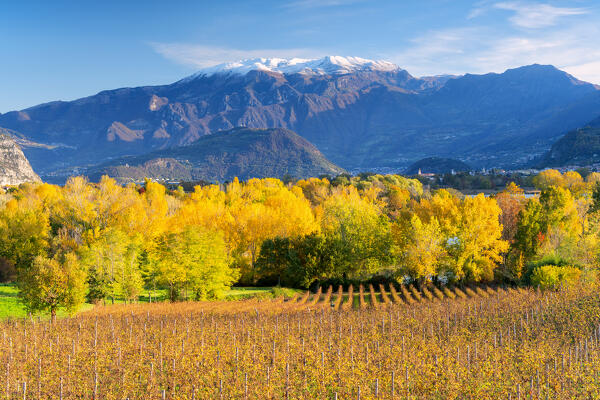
(63, 50)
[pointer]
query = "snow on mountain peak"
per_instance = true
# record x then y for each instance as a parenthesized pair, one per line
(330, 65)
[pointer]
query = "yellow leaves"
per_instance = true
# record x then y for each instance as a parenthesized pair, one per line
(420, 246)
(547, 178)
(249, 213)
(480, 237)
(571, 180)
(398, 198)
(444, 207)
(513, 189)
(48, 194)
(469, 230)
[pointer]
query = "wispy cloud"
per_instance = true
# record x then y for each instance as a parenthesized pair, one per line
(199, 56)
(482, 49)
(537, 15)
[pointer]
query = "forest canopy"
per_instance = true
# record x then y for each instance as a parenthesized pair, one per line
(101, 241)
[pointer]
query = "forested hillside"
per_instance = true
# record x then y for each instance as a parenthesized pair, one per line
(577, 147)
(242, 152)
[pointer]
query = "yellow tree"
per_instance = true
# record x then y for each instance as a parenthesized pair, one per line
(574, 182)
(471, 230)
(261, 209)
(479, 247)
(547, 178)
(419, 247)
(24, 232)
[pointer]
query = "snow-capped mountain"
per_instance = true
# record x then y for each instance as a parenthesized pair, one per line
(330, 65)
(362, 114)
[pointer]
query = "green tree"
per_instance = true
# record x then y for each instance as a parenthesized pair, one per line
(195, 259)
(128, 282)
(298, 261)
(360, 233)
(530, 231)
(595, 206)
(53, 283)
(105, 260)
(273, 261)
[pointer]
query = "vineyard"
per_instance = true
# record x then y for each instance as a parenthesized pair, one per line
(382, 342)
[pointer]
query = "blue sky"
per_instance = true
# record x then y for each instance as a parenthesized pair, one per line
(51, 50)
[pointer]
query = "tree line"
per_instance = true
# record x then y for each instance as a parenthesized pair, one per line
(98, 242)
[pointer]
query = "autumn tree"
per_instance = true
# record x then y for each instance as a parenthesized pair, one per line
(24, 232)
(261, 209)
(419, 247)
(471, 230)
(511, 201)
(547, 178)
(530, 229)
(358, 229)
(195, 260)
(53, 283)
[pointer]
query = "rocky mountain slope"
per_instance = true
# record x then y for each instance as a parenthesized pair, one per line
(241, 152)
(14, 167)
(362, 114)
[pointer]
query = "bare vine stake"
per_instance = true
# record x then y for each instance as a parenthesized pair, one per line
(287, 380)
(95, 385)
(40, 377)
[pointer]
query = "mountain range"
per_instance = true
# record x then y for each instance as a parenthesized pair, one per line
(361, 114)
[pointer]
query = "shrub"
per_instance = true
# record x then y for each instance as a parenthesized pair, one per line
(553, 276)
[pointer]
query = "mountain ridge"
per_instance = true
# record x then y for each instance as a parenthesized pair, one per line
(360, 120)
(318, 66)
(241, 152)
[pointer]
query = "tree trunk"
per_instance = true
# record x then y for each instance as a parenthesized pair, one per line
(52, 315)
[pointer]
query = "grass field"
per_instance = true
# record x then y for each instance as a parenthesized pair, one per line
(11, 306)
